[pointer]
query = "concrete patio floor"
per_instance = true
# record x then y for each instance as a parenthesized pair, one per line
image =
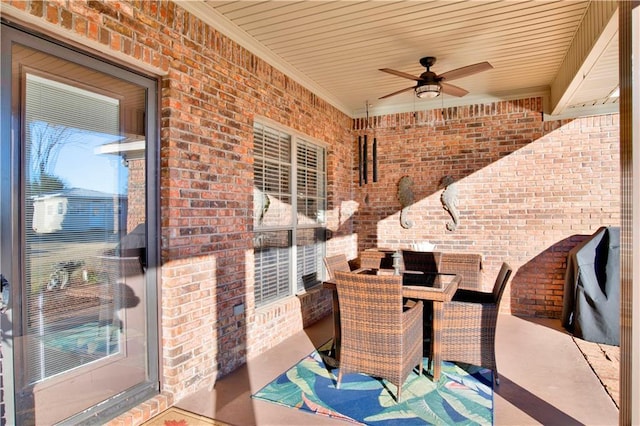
(545, 378)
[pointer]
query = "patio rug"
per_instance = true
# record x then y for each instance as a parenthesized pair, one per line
(463, 395)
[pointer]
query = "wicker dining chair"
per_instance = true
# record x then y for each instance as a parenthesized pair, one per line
(379, 338)
(335, 263)
(422, 261)
(469, 325)
(371, 259)
(467, 265)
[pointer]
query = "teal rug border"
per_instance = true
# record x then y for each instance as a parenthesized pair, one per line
(464, 394)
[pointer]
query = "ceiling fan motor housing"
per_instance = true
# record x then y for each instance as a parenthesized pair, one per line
(429, 77)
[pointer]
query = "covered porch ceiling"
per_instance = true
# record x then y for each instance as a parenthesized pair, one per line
(565, 51)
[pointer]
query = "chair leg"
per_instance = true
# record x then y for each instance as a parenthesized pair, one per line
(339, 379)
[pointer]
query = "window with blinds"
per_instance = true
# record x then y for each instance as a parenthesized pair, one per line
(289, 213)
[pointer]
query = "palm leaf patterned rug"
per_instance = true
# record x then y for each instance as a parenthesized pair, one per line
(463, 395)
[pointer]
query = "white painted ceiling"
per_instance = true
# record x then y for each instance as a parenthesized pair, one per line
(336, 48)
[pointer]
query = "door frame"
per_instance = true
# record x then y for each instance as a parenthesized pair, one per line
(12, 218)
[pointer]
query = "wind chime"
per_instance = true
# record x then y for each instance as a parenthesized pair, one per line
(363, 153)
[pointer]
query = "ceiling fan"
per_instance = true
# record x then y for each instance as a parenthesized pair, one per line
(431, 84)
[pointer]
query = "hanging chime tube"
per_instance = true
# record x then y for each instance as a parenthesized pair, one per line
(364, 160)
(374, 166)
(360, 160)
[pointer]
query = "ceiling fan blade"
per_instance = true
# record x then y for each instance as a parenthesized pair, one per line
(465, 71)
(400, 74)
(452, 90)
(398, 92)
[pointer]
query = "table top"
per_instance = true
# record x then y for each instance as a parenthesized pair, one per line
(417, 285)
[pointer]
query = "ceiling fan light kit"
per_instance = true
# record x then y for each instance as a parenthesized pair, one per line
(428, 91)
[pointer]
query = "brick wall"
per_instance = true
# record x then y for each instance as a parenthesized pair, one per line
(528, 190)
(136, 191)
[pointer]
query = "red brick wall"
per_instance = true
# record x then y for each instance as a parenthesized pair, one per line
(136, 191)
(528, 190)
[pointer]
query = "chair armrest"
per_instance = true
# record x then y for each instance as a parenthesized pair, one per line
(412, 328)
(412, 315)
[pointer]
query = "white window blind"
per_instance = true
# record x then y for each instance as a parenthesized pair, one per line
(272, 175)
(310, 183)
(272, 260)
(60, 104)
(309, 253)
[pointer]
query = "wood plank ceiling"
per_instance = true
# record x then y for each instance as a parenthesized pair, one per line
(336, 48)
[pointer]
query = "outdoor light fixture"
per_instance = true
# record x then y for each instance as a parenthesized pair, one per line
(429, 90)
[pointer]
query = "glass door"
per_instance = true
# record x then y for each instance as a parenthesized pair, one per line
(79, 287)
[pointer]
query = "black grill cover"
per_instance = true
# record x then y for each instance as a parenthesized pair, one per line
(591, 308)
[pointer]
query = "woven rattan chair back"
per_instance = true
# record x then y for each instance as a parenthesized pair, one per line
(467, 265)
(423, 261)
(336, 263)
(371, 259)
(501, 283)
(469, 325)
(378, 337)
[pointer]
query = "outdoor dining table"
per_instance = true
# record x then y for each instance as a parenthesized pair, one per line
(435, 287)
